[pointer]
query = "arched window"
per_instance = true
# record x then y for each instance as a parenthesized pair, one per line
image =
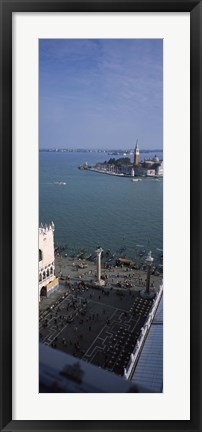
(44, 275)
(40, 277)
(40, 255)
(47, 272)
(51, 270)
(43, 291)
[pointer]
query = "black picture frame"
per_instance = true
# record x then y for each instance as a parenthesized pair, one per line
(6, 9)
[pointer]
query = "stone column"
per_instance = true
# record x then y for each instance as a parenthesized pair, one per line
(147, 293)
(149, 260)
(98, 253)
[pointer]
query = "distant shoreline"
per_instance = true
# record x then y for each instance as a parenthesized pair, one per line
(105, 172)
(96, 170)
(111, 152)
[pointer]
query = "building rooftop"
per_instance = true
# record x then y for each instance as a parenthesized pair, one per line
(149, 370)
(60, 372)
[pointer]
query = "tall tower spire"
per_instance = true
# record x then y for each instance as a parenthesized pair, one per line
(136, 154)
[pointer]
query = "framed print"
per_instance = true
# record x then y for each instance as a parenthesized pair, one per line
(100, 220)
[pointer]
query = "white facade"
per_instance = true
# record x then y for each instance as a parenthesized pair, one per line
(151, 173)
(159, 170)
(46, 256)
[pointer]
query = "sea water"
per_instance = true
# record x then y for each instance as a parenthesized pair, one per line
(94, 209)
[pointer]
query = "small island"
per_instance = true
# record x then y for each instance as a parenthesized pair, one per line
(123, 167)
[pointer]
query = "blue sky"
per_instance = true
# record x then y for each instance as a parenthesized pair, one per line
(101, 93)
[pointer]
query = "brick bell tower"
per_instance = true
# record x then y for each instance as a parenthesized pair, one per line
(136, 154)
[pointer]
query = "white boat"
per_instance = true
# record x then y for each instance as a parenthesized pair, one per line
(136, 180)
(60, 183)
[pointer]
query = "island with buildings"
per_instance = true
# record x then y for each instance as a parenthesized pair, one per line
(123, 167)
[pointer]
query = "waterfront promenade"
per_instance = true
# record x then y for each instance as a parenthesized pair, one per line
(115, 276)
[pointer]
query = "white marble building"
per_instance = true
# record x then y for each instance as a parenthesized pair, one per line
(47, 279)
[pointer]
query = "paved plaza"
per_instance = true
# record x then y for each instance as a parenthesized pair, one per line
(98, 325)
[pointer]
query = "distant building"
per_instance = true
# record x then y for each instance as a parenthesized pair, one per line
(159, 170)
(47, 279)
(154, 167)
(136, 155)
(151, 167)
(151, 173)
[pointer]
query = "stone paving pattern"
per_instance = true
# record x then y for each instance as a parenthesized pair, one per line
(98, 325)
